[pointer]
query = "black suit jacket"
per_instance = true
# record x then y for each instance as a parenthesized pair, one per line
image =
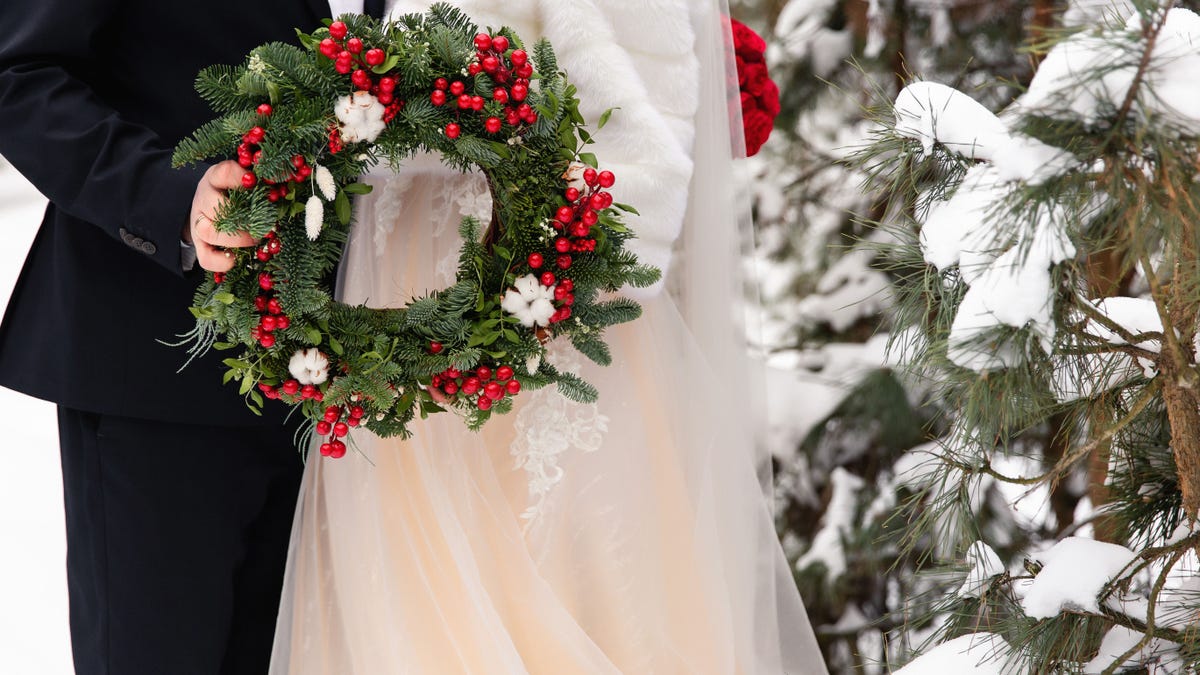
(93, 96)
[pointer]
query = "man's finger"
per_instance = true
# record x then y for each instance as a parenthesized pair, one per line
(212, 259)
(205, 232)
(226, 176)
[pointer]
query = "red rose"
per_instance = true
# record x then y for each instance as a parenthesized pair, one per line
(758, 126)
(756, 79)
(770, 98)
(746, 42)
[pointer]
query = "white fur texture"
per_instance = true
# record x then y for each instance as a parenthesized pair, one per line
(635, 55)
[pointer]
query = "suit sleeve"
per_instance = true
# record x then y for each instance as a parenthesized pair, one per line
(648, 69)
(76, 149)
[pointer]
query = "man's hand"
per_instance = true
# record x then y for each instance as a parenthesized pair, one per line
(208, 242)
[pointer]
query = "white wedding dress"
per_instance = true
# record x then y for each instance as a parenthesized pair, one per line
(630, 536)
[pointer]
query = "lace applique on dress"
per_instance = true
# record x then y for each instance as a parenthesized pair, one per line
(550, 425)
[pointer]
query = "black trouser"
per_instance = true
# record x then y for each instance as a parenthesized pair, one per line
(177, 538)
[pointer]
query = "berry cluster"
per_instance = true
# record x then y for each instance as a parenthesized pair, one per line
(335, 425)
(270, 313)
(351, 57)
(249, 154)
(482, 386)
(292, 391)
(574, 222)
(510, 73)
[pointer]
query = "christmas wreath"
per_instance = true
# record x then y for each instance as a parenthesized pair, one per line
(306, 122)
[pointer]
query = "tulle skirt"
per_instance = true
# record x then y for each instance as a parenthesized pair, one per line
(628, 536)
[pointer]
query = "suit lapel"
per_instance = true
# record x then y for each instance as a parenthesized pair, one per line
(320, 10)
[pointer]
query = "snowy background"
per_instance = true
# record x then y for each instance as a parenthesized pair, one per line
(33, 585)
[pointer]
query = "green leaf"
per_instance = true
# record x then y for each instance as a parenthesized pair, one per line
(229, 375)
(257, 398)
(626, 208)
(336, 346)
(604, 117)
(359, 189)
(589, 158)
(386, 66)
(225, 298)
(341, 206)
(313, 335)
(236, 364)
(502, 252)
(247, 385)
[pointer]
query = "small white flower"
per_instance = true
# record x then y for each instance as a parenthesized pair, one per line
(361, 117)
(256, 64)
(574, 176)
(533, 363)
(314, 216)
(309, 366)
(530, 301)
(325, 183)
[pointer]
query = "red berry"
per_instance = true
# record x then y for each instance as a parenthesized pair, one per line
(343, 67)
(451, 388)
(483, 42)
(268, 324)
(435, 348)
(511, 117)
(572, 194)
(565, 214)
(525, 111)
(282, 323)
(477, 103)
(438, 97)
(341, 429)
(493, 125)
(504, 373)
(329, 48)
(520, 92)
(607, 179)
(494, 391)
(385, 98)
(570, 299)
(452, 373)
(267, 340)
(273, 306)
(562, 245)
(519, 57)
(484, 373)
(590, 177)
(265, 110)
(441, 83)
(524, 71)
(291, 387)
(326, 449)
(564, 262)
(560, 292)
(589, 218)
(265, 282)
(387, 84)
(261, 304)
(464, 101)
(500, 95)
(308, 391)
(547, 279)
(338, 450)
(500, 43)
(361, 79)
(333, 413)
(262, 255)
(354, 45)
(218, 277)
(257, 134)
(457, 88)
(484, 403)
(471, 386)
(569, 284)
(245, 161)
(597, 201)
(490, 64)
(580, 230)
(375, 57)
(353, 421)
(338, 30)
(474, 69)
(536, 260)
(249, 180)
(513, 387)
(453, 130)
(357, 411)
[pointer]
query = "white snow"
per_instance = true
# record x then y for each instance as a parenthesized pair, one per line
(974, 654)
(34, 637)
(985, 564)
(838, 523)
(1075, 571)
(1136, 315)
(1119, 640)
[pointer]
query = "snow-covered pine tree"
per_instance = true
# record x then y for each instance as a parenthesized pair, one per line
(1048, 293)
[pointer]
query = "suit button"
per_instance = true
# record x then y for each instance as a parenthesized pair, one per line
(127, 238)
(149, 248)
(136, 242)
(123, 232)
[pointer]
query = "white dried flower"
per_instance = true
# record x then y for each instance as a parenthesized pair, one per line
(533, 363)
(530, 301)
(325, 183)
(309, 366)
(361, 117)
(314, 217)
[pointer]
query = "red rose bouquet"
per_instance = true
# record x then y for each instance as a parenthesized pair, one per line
(760, 95)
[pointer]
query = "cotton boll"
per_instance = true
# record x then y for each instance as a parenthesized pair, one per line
(361, 117)
(529, 301)
(542, 309)
(309, 366)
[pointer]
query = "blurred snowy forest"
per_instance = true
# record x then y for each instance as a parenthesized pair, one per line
(850, 429)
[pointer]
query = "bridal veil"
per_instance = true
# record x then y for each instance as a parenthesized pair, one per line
(631, 536)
